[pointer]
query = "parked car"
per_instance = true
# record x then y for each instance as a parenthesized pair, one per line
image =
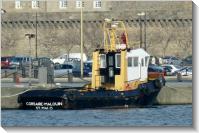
(185, 71)
(26, 62)
(69, 58)
(77, 72)
(88, 67)
(5, 62)
(16, 61)
(62, 70)
(187, 60)
(172, 60)
(170, 69)
(87, 71)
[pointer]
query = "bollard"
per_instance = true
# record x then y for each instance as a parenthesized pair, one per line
(179, 77)
(17, 79)
(23, 72)
(14, 77)
(70, 77)
(6, 74)
(51, 79)
(35, 73)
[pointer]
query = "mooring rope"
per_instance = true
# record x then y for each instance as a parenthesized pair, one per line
(83, 79)
(15, 94)
(171, 88)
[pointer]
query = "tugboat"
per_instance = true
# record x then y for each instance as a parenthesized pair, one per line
(120, 79)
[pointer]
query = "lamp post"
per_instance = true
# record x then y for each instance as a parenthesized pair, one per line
(145, 32)
(3, 11)
(140, 23)
(36, 36)
(82, 67)
(29, 36)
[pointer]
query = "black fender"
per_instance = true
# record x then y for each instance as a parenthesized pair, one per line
(158, 83)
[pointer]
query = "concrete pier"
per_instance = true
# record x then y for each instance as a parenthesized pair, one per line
(176, 92)
(173, 93)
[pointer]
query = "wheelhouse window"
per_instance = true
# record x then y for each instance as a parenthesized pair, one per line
(18, 4)
(130, 64)
(102, 61)
(146, 60)
(110, 60)
(63, 4)
(142, 61)
(118, 60)
(79, 3)
(97, 4)
(111, 72)
(135, 61)
(35, 4)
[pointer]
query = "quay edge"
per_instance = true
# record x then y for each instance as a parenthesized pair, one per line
(169, 95)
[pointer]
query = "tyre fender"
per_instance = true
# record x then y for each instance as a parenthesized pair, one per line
(158, 83)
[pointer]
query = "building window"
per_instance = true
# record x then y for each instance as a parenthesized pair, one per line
(62, 3)
(97, 4)
(118, 60)
(79, 3)
(35, 4)
(18, 4)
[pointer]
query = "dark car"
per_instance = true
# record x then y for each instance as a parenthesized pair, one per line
(5, 62)
(88, 67)
(77, 72)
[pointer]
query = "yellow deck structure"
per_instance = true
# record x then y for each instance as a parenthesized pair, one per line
(115, 41)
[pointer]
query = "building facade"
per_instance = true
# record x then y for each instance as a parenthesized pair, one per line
(165, 19)
(54, 5)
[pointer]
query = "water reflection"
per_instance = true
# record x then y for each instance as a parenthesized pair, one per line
(176, 115)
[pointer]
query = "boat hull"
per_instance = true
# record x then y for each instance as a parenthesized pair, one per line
(66, 98)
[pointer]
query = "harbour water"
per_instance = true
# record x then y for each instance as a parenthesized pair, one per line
(170, 115)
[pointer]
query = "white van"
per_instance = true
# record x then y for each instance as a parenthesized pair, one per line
(69, 58)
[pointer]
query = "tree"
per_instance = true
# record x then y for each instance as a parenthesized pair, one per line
(154, 39)
(133, 37)
(184, 41)
(167, 36)
(93, 38)
(68, 39)
(9, 41)
(49, 42)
